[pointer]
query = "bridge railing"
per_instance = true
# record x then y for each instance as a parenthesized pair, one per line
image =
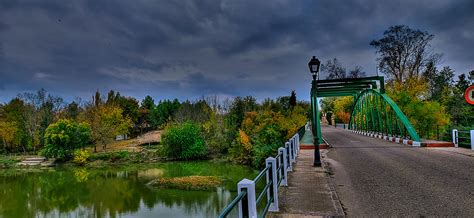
(463, 138)
(248, 200)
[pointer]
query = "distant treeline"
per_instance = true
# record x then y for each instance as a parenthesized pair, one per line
(239, 127)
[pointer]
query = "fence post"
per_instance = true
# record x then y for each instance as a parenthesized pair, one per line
(293, 146)
(472, 139)
(284, 173)
(291, 151)
(248, 205)
(455, 137)
(297, 138)
(273, 190)
(288, 158)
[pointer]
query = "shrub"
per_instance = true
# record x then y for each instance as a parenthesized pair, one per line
(188, 182)
(63, 137)
(81, 157)
(184, 142)
(121, 155)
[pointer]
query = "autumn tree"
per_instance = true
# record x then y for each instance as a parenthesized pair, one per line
(13, 112)
(7, 133)
(107, 122)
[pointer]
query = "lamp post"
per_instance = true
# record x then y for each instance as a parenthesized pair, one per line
(314, 65)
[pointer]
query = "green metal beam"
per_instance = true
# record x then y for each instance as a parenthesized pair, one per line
(351, 79)
(321, 95)
(341, 89)
(391, 117)
(363, 80)
(356, 84)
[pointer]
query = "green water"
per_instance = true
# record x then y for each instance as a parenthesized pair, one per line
(118, 191)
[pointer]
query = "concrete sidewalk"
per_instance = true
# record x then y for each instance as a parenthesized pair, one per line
(309, 193)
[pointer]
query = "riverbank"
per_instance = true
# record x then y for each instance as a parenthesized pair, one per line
(103, 158)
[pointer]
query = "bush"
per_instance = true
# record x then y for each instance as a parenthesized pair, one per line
(262, 133)
(81, 156)
(63, 137)
(184, 142)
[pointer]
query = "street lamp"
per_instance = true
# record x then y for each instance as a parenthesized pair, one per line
(314, 65)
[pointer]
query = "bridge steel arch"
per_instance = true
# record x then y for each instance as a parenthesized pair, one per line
(374, 111)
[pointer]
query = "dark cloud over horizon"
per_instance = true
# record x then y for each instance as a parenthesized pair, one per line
(187, 49)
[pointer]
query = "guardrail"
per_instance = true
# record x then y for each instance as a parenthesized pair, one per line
(463, 138)
(276, 175)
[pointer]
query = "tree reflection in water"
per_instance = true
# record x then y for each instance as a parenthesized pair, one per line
(115, 191)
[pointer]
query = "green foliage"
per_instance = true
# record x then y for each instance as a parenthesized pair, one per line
(81, 156)
(184, 142)
(214, 134)
(421, 113)
(63, 137)
(462, 113)
(110, 156)
(197, 112)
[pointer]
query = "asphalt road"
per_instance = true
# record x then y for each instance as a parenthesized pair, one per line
(374, 177)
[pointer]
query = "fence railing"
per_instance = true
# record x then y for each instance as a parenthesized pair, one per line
(463, 138)
(341, 125)
(276, 170)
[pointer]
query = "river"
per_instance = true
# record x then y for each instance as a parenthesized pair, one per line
(116, 191)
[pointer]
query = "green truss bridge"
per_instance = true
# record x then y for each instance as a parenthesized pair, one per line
(372, 111)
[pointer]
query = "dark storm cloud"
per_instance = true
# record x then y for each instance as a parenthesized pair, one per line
(187, 49)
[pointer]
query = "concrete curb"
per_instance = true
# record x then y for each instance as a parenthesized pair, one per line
(309, 146)
(399, 140)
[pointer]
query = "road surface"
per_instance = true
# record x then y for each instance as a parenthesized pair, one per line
(374, 177)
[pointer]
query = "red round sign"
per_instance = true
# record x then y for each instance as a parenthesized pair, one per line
(469, 95)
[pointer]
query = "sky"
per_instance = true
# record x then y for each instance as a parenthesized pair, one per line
(188, 49)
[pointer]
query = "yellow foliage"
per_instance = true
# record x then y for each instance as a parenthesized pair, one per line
(245, 140)
(81, 156)
(343, 116)
(81, 175)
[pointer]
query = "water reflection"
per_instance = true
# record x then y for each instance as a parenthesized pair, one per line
(115, 191)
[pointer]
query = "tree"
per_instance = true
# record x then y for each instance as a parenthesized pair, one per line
(292, 99)
(462, 113)
(404, 52)
(39, 111)
(357, 72)
(63, 137)
(440, 83)
(334, 69)
(107, 121)
(13, 112)
(343, 108)
(197, 112)
(72, 111)
(7, 133)
(164, 112)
